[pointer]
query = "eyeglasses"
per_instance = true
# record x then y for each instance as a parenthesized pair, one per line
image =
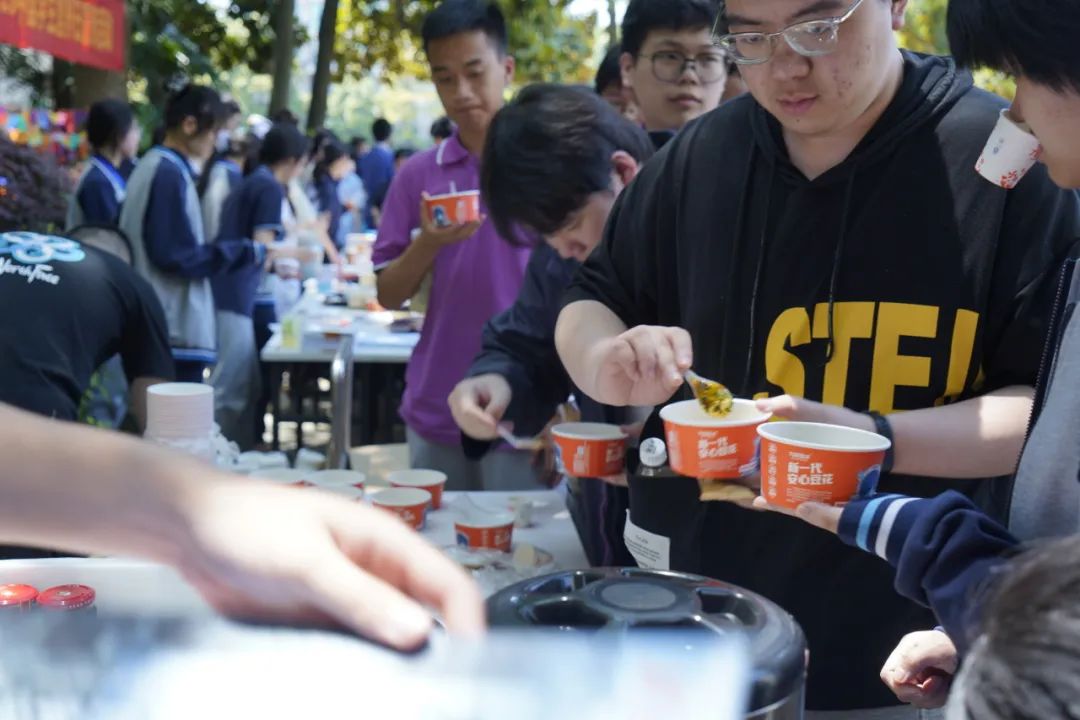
(669, 66)
(813, 38)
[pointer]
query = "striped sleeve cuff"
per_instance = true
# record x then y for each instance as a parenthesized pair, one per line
(879, 524)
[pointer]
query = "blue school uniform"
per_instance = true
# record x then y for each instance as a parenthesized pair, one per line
(98, 195)
(162, 216)
(255, 204)
(326, 195)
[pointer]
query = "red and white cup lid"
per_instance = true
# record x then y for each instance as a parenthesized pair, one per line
(67, 597)
(15, 594)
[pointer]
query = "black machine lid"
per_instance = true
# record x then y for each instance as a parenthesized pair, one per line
(633, 599)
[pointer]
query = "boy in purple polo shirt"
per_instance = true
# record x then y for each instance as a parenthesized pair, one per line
(475, 273)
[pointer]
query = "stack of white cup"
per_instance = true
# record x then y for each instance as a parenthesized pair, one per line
(181, 416)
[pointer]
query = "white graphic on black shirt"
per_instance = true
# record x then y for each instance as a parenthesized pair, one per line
(31, 255)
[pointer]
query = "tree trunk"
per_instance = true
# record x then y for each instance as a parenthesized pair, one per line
(613, 24)
(283, 56)
(320, 84)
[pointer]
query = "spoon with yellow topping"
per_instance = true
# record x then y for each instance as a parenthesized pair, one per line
(714, 398)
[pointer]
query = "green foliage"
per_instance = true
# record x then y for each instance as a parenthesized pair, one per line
(924, 31)
(192, 38)
(384, 36)
(35, 190)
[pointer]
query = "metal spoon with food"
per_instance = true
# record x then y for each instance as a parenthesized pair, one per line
(715, 399)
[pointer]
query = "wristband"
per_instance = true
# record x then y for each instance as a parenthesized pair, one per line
(883, 428)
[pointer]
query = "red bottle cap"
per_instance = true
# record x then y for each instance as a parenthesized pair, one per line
(67, 597)
(17, 595)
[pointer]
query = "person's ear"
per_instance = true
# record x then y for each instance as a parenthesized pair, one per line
(899, 8)
(190, 126)
(509, 65)
(623, 169)
(626, 65)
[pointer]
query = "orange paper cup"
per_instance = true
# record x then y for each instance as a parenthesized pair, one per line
(707, 447)
(454, 208)
(590, 449)
(493, 532)
(430, 480)
(813, 462)
(409, 504)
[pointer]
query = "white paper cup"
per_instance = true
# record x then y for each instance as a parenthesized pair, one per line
(346, 482)
(285, 476)
(1009, 154)
(179, 410)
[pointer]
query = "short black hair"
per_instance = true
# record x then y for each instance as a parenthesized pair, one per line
(198, 101)
(442, 128)
(332, 150)
(108, 123)
(1026, 663)
(644, 16)
(609, 71)
(230, 108)
(547, 151)
(285, 115)
(357, 140)
(1037, 40)
(403, 153)
(282, 142)
(381, 129)
(453, 17)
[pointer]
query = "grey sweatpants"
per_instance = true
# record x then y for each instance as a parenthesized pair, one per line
(236, 378)
(498, 470)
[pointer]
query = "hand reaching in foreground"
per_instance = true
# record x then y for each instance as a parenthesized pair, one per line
(294, 555)
(921, 668)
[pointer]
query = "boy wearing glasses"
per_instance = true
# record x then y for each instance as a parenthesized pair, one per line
(670, 63)
(861, 265)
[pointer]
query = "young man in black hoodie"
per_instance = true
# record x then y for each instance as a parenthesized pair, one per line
(826, 239)
(946, 551)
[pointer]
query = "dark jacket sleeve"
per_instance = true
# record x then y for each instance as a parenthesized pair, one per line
(171, 243)
(1040, 225)
(519, 344)
(944, 549)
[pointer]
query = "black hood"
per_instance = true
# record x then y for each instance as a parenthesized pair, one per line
(930, 87)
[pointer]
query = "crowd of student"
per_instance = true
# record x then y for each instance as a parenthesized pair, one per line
(774, 193)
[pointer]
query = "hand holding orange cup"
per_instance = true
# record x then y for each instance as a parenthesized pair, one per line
(707, 447)
(453, 208)
(813, 462)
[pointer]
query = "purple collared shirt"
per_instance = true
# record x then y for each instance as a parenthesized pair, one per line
(472, 281)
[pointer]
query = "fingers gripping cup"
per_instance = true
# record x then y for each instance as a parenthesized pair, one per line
(707, 447)
(590, 449)
(456, 208)
(811, 462)
(1010, 153)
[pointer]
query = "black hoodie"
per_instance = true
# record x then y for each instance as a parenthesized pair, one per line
(897, 280)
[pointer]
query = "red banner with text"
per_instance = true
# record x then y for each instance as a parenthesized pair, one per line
(90, 32)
